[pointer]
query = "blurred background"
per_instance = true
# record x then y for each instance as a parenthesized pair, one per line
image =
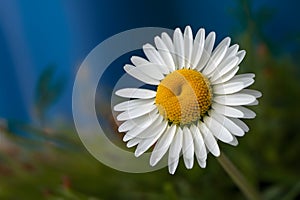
(43, 44)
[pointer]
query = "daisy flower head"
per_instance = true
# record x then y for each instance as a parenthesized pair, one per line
(199, 99)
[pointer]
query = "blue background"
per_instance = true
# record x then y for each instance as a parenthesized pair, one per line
(34, 34)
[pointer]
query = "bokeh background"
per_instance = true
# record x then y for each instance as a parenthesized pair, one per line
(44, 42)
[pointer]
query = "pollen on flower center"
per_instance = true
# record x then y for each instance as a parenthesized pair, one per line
(183, 97)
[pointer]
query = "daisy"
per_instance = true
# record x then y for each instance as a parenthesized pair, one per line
(198, 99)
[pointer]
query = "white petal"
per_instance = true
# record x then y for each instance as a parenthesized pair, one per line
(253, 103)
(136, 60)
(148, 133)
(209, 140)
(179, 48)
(126, 105)
(245, 75)
(208, 46)
(168, 42)
(127, 125)
(202, 163)
(135, 112)
(227, 110)
(156, 132)
(240, 123)
(153, 70)
(162, 145)
(198, 48)
(234, 99)
(133, 142)
(136, 93)
(138, 122)
(255, 93)
(138, 130)
(225, 66)
(188, 46)
(164, 52)
(216, 57)
(188, 148)
(241, 54)
(227, 76)
(246, 81)
(232, 51)
(174, 151)
(228, 88)
(199, 145)
(138, 74)
(248, 114)
(234, 142)
(152, 54)
(218, 129)
(161, 68)
(229, 125)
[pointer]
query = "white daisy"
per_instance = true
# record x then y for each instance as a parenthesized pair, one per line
(199, 98)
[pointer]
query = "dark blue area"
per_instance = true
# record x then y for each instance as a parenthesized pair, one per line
(10, 92)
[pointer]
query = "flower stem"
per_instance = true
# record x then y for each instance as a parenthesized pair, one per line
(249, 191)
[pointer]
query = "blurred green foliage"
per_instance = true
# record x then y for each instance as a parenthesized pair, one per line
(55, 165)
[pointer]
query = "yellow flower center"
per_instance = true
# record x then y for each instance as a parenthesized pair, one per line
(183, 97)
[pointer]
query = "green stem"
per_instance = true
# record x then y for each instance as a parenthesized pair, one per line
(249, 191)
